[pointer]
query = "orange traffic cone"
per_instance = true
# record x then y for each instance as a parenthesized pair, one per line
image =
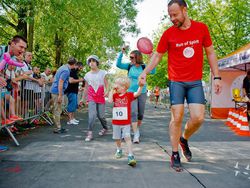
(239, 121)
(244, 128)
(231, 123)
(235, 120)
(229, 117)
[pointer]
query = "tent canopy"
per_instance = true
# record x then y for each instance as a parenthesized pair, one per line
(239, 59)
(232, 70)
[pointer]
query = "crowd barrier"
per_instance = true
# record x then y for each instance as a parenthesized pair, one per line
(20, 104)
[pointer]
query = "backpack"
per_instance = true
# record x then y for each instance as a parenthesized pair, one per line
(142, 66)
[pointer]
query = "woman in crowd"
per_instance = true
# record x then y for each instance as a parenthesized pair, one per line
(135, 67)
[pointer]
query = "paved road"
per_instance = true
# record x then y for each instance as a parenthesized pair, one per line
(43, 159)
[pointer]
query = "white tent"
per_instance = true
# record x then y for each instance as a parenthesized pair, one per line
(233, 69)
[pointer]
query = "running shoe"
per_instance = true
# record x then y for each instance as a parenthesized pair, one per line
(60, 131)
(103, 132)
(15, 118)
(131, 161)
(72, 122)
(175, 163)
(136, 139)
(7, 121)
(75, 120)
(118, 154)
(89, 136)
(185, 149)
(3, 148)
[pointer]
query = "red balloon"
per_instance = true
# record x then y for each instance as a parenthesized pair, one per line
(145, 45)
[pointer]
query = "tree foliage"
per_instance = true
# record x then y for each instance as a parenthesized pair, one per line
(63, 28)
(229, 25)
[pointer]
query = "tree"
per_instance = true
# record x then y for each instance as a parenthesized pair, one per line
(229, 25)
(17, 17)
(64, 28)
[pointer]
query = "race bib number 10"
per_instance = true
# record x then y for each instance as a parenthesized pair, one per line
(120, 113)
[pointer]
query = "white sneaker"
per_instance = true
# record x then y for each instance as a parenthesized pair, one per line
(72, 122)
(89, 136)
(136, 139)
(75, 120)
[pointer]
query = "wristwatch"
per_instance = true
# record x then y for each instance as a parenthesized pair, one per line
(217, 78)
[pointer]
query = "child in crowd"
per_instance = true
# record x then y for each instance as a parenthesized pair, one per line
(96, 83)
(121, 120)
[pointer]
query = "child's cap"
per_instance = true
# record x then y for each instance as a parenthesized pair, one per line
(95, 57)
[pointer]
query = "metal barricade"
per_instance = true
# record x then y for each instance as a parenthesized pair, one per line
(26, 102)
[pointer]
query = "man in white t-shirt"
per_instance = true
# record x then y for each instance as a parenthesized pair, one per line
(27, 86)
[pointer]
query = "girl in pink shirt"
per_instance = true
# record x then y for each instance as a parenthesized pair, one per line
(96, 83)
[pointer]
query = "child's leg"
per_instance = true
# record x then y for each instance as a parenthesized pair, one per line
(129, 145)
(3, 115)
(126, 135)
(117, 133)
(101, 115)
(11, 106)
(118, 143)
(117, 138)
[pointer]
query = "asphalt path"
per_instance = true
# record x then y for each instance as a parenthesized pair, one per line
(43, 159)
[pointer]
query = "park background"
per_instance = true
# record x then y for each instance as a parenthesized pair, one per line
(57, 29)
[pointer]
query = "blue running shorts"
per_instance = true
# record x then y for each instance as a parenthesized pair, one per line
(191, 91)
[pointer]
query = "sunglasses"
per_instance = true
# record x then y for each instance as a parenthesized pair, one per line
(131, 57)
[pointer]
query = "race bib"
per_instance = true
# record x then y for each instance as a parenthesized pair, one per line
(120, 113)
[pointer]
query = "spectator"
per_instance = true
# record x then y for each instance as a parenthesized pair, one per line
(246, 92)
(72, 92)
(58, 87)
(27, 86)
(157, 95)
(16, 47)
(135, 67)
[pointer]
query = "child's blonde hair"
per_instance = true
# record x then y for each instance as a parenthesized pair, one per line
(123, 81)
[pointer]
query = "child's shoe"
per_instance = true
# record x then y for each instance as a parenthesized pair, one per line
(7, 121)
(3, 148)
(15, 118)
(118, 154)
(131, 161)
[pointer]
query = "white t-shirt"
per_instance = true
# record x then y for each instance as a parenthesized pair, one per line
(95, 79)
